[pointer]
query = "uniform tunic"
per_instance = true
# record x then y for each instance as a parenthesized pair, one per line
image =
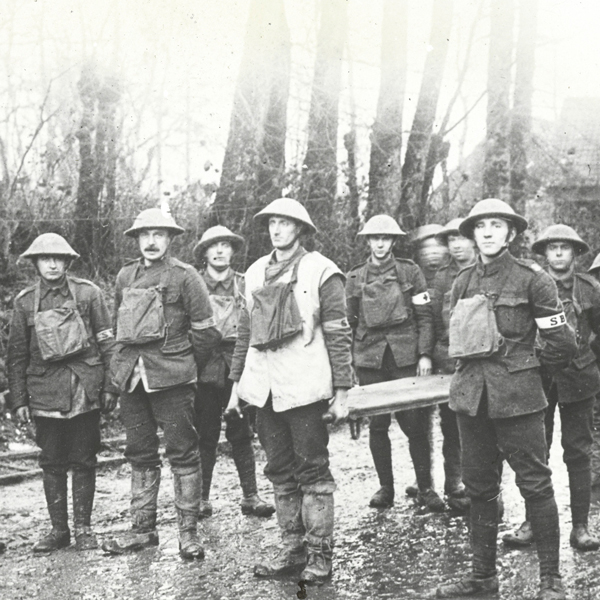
(290, 427)
(391, 352)
(156, 378)
(525, 305)
(63, 395)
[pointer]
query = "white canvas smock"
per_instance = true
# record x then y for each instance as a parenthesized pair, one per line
(299, 372)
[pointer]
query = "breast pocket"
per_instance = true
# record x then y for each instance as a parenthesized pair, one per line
(513, 315)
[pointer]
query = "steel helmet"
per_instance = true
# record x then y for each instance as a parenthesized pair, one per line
(287, 207)
(425, 231)
(595, 265)
(381, 225)
(215, 234)
(489, 208)
(450, 228)
(49, 244)
(559, 233)
(154, 218)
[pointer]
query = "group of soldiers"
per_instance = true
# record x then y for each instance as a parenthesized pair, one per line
(290, 337)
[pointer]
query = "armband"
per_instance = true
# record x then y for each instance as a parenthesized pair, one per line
(201, 325)
(102, 336)
(335, 325)
(421, 299)
(552, 321)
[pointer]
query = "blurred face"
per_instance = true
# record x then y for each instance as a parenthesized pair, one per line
(460, 248)
(431, 254)
(380, 245)
(284, 232)
(560, 256)
(154, 244)
(218, 255)
(51, 268)
(492, 236)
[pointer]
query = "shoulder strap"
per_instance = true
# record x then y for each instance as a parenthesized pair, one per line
(36, 297)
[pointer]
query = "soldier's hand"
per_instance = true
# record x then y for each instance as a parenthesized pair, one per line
(424, 366)
(108, 401)
(338, 408)
(23, 414)
(233, 408)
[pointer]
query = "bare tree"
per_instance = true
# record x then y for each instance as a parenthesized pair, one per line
(385, 173)
(254, 159)
(412, 210)
(319, 178)
(496, 174)
(520, 126)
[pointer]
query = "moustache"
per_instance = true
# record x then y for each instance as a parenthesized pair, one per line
(150, 249)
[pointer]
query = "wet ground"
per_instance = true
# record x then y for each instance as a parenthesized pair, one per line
(398, 553)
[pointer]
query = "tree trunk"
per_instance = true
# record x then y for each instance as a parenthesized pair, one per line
(385, 174)
(412, 210)
(319, 177)
(254, 160)
(496, 174)
(520, 127)
(86, 209)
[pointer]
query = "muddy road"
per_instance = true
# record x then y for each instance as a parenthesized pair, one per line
(399, 553)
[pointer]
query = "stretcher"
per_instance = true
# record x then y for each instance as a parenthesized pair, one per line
(400, 394)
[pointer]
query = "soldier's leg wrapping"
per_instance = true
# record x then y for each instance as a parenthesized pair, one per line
(316, 481)
(187, 483)
(595, 467)
(522, 441)
(576, 422)
(85, 433)
(275, 436)
(54, 443)
(481, 460)
(208, 411)
(450, 450)
(416, 425)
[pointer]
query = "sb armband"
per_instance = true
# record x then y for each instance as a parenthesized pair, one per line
(421, 299)
(551, 321)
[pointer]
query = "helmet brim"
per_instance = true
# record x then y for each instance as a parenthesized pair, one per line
(539, 247)
(236, 242)
(134, 231)
(468, 225)
(261, 217)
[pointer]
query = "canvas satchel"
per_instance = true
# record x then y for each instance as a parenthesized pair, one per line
(141, 315)
(473, 327)
(383, 301)
(60, 332)
(275, 316)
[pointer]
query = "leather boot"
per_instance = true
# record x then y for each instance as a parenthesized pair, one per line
(543, 515)
(84, 487)
(468, 586)
(521, 538)
(430, 499)
(581, 539)
(291, 557)
(484, 531)
(383, 497)
(187, 499)
(317, 516)
(145, 484)
(255, 505)
(551, 588)
(55, 489)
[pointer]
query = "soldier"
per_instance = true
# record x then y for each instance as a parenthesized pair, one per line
(59, 349)
(573, 389)
(297, 369)
(431, 254)
(389, 311)
(226, 288)
(165, 333)
(595, 461)
(462, 254)
(498, 306)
